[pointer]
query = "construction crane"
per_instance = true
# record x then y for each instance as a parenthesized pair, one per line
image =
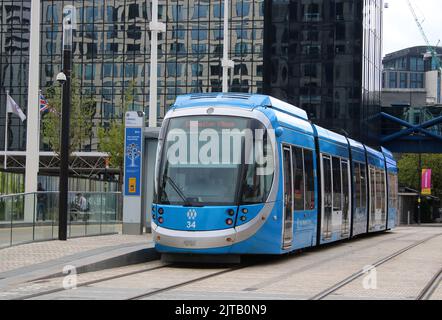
(430, 48)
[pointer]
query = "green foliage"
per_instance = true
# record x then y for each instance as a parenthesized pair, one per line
(82, 111)
(111, 140)
(410, 177)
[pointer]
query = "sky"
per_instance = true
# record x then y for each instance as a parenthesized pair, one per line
(401, 30)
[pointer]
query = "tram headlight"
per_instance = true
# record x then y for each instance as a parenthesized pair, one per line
(160, 220)
(244, 210)
(229, 221)
(231, 212)
(160, 210)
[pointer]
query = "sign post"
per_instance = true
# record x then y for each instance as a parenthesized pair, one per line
(133, 168)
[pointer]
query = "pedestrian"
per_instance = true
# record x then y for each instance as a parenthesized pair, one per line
(41, 202)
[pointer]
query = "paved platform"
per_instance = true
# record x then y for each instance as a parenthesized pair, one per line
(45, 259)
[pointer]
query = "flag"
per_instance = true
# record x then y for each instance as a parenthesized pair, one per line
(426, 182)
(44, 106)
(12, 107)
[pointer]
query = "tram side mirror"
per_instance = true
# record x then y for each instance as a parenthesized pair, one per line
(279, 131)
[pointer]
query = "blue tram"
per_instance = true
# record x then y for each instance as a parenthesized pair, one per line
(305, 186)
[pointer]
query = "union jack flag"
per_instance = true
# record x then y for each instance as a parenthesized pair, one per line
(44, 106)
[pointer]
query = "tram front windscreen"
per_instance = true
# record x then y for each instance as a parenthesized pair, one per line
(214, 160)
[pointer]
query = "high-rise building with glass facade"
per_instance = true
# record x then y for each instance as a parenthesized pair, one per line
(326, 58)
(322, 55)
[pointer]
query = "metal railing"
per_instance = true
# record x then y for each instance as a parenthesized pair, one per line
(28, 217)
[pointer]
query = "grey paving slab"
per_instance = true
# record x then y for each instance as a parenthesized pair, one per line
(402, 278)
(42, 259)
(23, 290)
(437, 294)
(133, 285)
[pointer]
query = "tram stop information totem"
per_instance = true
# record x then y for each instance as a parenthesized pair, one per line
(133, 168)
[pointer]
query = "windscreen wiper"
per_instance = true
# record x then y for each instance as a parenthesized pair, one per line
(178, 191)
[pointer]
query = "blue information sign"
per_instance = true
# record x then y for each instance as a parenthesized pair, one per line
(132, 170)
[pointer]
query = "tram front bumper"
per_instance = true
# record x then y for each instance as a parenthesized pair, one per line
(193, 239)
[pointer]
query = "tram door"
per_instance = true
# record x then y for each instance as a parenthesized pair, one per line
(288, 199)
(327, 203)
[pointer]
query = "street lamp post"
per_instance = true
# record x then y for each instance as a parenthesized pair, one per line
(225, 62)
(419, 200)
(69, 25)
(155, 27)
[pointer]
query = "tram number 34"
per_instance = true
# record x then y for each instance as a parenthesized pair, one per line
(191, 216)
(191, 224)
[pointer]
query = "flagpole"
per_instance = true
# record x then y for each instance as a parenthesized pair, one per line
(6, 130)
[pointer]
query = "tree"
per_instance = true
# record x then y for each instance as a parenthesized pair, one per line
(111, 139)
(82, 111)
(408, 171)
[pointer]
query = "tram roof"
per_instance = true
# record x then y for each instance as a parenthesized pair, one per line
(330, 135)
(388, 154)
(375, 153)
(356, 145)
(241, 100)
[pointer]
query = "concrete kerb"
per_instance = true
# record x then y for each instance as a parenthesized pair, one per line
(137, 256)
(83, 262)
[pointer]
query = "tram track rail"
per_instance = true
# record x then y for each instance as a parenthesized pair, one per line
(327, 292)
(185, 283)
(322, 261)
(127, 274)
(430, 287)
(91, 282)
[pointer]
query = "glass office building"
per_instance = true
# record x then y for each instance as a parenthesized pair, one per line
(322, 55)
(326, 58)
(14, 62)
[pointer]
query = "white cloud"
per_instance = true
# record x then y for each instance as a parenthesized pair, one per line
(400, 28)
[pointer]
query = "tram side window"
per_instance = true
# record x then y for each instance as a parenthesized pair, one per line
(357, 182)
(363, 186)
(391, 190)
(258, 180)
(396, 192)
(337, 190)
(298, 170)
(384, 195)
(372, 191)
(309, 180)
(345, 187)
(379, 192)
(327, 182)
